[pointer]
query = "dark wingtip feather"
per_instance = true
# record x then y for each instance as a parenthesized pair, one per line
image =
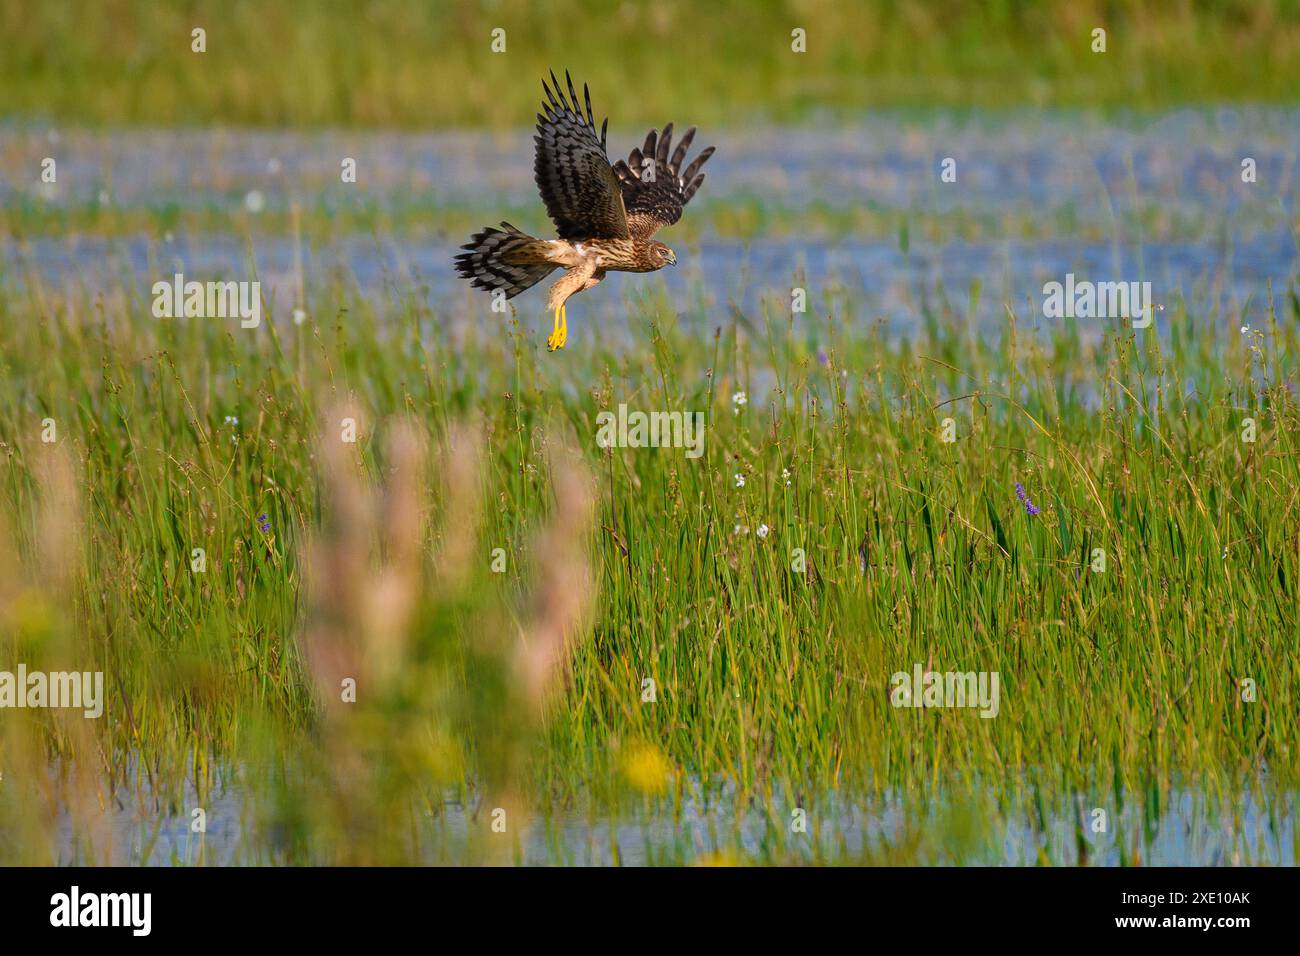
(679, 154)
(665, 142)
(573, 94)
(696, 163)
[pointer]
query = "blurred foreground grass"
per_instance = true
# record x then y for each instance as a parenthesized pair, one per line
(514, 679)
(411, 63)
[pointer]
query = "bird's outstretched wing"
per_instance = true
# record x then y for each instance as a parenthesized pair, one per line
(572, 169)
(655, 187)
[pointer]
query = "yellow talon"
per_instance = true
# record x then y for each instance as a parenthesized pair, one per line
(559, 331)
(555, 341)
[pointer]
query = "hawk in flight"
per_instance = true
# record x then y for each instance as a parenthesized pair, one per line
(606, 216)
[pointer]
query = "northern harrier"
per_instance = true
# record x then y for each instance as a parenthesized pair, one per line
(605, 215)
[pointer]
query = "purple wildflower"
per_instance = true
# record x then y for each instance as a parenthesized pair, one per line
(264, 523)
(822, 358)
(1031, 509)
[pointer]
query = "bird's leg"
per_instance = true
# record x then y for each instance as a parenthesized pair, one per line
(555, 341)
(564, 325)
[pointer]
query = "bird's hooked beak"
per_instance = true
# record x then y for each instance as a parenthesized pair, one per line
(672, 258)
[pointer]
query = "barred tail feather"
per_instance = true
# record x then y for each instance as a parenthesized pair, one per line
(499, 259)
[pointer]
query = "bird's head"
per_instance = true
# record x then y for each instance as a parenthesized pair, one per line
(663, 255)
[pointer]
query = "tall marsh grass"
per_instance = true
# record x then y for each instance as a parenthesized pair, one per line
(412, 63)
(514, 680)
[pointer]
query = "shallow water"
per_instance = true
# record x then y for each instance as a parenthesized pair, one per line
(1188, 830)
(1156, 198)
(880, 282)
(1187, 159)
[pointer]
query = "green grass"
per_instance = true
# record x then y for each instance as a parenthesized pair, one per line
(772, 684)
(731, 218)
(408, 63)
